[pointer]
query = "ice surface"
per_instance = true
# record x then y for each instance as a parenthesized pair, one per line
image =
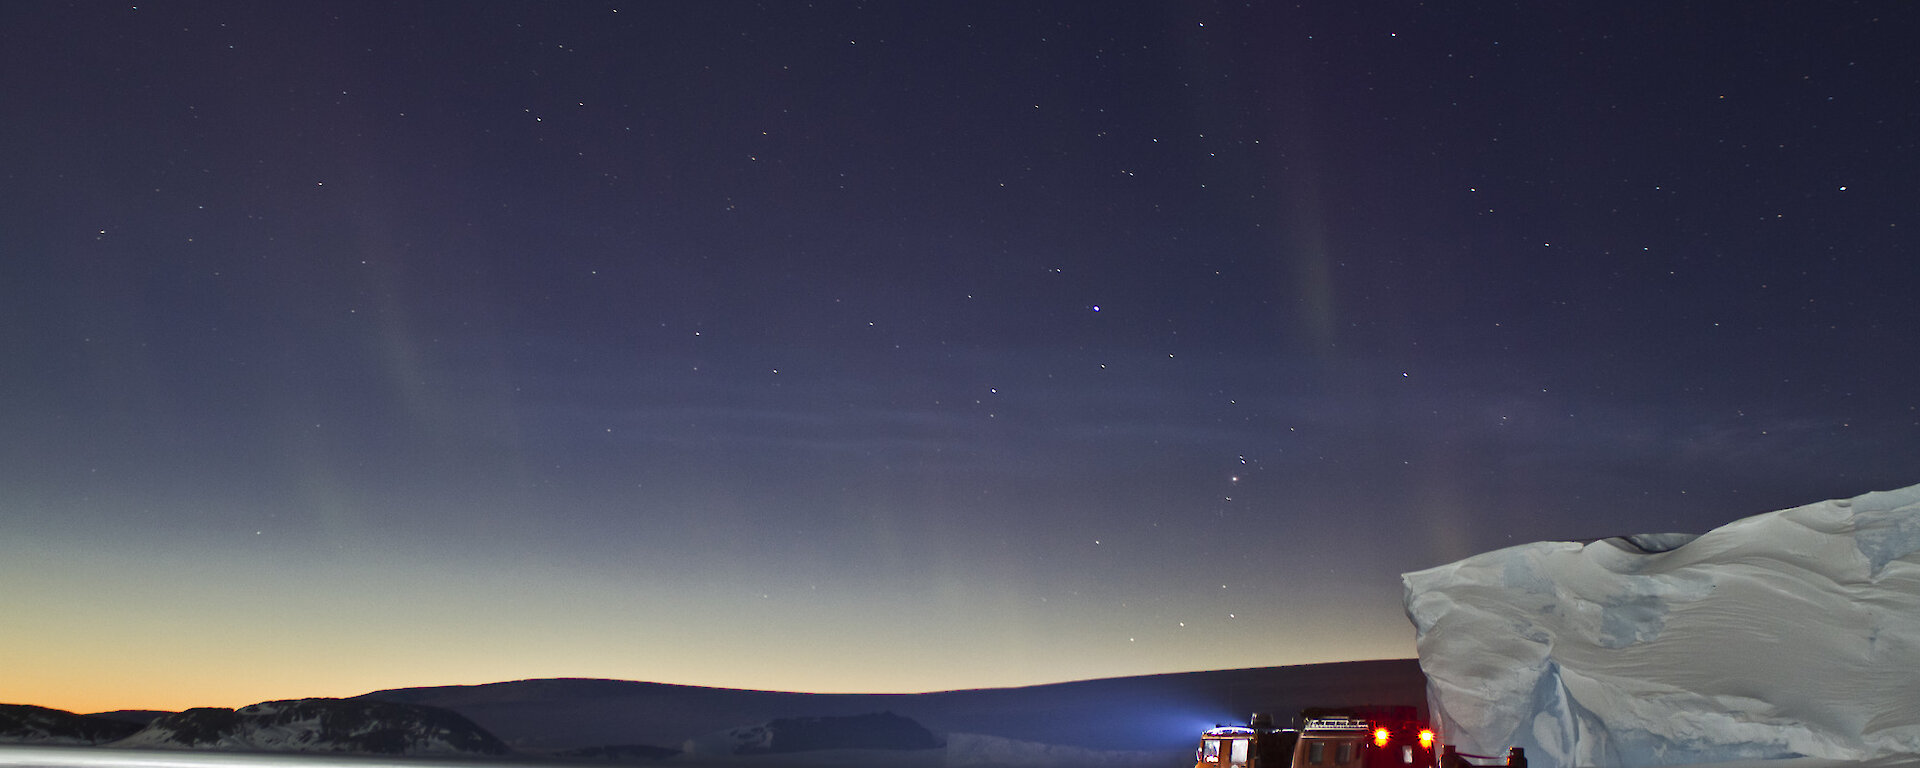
(1790, 634)
(968, 750)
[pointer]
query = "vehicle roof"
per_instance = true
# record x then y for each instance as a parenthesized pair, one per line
(1241, 730)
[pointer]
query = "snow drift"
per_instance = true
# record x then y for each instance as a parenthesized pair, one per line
(1793, 633)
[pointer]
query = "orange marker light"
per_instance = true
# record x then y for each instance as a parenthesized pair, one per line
(1426, 739)
(1380, 737)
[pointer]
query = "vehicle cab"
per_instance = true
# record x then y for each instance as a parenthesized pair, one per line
(1255, 745)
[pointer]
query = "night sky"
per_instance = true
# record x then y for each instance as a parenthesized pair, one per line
(905, 346)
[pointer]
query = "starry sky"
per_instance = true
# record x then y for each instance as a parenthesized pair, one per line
(844, 346)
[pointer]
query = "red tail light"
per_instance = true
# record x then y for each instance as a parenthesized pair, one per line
(1380, 736)
(1426, 738)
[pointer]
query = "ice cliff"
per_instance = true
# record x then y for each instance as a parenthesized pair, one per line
(1793, 633)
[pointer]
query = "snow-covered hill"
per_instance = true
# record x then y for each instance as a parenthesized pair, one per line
(320, 725)
(873, 731)
(1785, 634)
(1163, 714)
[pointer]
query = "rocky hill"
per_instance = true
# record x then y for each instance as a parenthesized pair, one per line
(355, 726)
(135, 716)
(26, 724)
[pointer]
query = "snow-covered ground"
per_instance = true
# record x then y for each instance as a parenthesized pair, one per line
(1788, 634)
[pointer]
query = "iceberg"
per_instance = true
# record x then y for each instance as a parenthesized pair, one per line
(1789, 634)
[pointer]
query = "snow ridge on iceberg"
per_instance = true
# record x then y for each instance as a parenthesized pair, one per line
(1793, 633)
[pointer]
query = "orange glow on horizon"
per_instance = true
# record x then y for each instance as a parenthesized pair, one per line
(121, 637)
(116, 687)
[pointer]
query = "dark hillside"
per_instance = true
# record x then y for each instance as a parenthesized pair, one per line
(27, 724)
